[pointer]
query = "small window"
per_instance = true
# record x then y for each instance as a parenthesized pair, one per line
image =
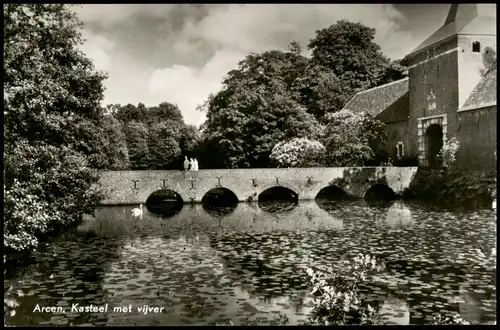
(400, 149)
(476, 47)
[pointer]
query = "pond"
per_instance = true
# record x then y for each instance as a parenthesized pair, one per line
(244, 263)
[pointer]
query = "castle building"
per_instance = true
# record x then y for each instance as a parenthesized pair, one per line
(450, 92)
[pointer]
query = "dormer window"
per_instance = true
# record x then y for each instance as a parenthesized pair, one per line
(476, 47)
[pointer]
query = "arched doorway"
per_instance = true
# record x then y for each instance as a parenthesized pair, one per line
(433, 144)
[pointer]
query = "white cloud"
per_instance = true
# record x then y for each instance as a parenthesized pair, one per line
(188, 87)
(108, 14)
(99, 49)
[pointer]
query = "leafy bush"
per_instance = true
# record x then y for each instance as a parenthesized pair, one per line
(352, 138)
(448, 152)
(453, 188)
(297, 152)
(337, 297)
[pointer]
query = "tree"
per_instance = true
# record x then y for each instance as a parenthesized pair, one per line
(320, 91)
(348, 50)
(298, 152)
(350, 138)
(52, 96)
(130, 112)
(165, 111)
(137, 136)
(189, 140)
(255, 110)
(163, 145)
(115, 146)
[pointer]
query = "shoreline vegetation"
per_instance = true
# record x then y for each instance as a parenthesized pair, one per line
(276, 109)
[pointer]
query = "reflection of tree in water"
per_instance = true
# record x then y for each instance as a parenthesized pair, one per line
(277, 200)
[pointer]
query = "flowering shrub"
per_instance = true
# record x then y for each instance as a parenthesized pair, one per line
(337, 297)
(448, 152)
(297, 152)
(455, 319)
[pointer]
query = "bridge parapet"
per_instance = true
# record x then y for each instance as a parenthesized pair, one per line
(134, 187)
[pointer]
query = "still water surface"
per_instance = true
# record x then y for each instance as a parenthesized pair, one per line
(208, 266)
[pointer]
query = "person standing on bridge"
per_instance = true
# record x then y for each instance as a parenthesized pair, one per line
(186, 163)
(195, 163)
(191, 164)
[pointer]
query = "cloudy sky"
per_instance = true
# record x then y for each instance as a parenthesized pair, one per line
(180, 52)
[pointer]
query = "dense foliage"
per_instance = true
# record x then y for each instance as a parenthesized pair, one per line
(347, 49)
(254, 111)
(155, 137)
(52, 112)
(458, 189)
(352, 139)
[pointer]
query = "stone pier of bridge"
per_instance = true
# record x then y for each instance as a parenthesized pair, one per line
(134, 187)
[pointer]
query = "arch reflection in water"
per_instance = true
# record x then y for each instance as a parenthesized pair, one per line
(331, 197)
(379, 195)
(332, 193)
(278, 199)
(165, 202)
(399, 215)
(219, 202)
(306, 215)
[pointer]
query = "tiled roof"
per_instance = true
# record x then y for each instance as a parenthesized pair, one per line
(376, 100)
(485, 92)
(399, 110)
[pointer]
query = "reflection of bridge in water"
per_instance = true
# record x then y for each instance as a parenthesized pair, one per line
(306, 215)
(133, 187)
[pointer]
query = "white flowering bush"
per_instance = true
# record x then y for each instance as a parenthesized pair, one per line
(337, 297)
(448, 152)
(297, 152)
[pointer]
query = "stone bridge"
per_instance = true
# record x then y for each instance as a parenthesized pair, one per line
(134, 187)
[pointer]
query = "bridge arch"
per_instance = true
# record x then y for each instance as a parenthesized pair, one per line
(331, 192)
(219, 202)
(281, 192)
(220, 196)
(281, 185)
(379, 192)
(164, 201)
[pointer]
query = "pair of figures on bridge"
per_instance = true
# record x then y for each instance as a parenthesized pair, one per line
(190, 164)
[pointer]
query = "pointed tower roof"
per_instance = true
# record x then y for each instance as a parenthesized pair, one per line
(466, 18)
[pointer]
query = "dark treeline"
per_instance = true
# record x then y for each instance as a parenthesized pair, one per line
(143, 137)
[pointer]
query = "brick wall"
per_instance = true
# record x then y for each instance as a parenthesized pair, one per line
(477, 136)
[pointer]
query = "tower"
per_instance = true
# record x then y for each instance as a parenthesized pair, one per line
(443, 71)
